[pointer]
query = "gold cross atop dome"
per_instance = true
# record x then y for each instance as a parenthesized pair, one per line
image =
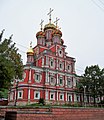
(30, 50)
(31, 44)
(50, 15)
(41, 24)
(56, 21)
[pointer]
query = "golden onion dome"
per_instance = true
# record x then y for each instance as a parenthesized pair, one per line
(49, 26)
(40, 34)
(30, 50)
(57, 32)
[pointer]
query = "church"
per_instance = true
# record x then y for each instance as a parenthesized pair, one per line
(49, 72)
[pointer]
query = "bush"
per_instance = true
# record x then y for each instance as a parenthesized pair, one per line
(101, 103)
(41, 101)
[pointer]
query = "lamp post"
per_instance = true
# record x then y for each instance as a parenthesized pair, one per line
(84, 96)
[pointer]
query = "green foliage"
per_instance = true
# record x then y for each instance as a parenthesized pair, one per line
(11, 65)
(4, 93)
(93, 79)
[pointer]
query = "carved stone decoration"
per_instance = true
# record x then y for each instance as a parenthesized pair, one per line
(52, 80)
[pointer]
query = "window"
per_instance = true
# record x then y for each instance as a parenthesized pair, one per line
(52, 96)
(52, 80)
(61, 81)
(20, 94)
(61, 96)
(68, 82)
(52, 63)
(78, 98)
(37, 77)
(37, 95)
(69, 97)
(69, 68)
(60, 65)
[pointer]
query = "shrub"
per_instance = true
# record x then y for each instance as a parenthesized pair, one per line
(41, 101)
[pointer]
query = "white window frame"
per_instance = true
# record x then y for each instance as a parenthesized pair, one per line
(37, 92)
(20, 91)
(69, 79)
(52, 60)
(70, 96)
(62, 94)
(39, 79)
(62, 81)
(52, 93)
(69, 69)
(54, 81)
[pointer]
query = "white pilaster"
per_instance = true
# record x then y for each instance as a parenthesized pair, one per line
(28, 94)
(66, 96)
(57, 95)
(65, 80)
(46, 94)
(29, 75)
(47, 61)
(75, 98)
(42, 61)
(57, 79)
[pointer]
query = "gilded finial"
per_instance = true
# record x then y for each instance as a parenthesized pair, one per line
(56, 21)
(50, 15)
(41, 24)
(31, 44)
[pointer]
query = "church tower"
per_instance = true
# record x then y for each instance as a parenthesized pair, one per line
(49, 73)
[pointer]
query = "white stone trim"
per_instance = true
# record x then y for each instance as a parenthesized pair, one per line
(35, 95)
(69, 94)
(20, 91)
(61, 94)
(52, 93)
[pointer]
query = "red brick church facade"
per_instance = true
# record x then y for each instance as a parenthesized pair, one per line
(49, 73)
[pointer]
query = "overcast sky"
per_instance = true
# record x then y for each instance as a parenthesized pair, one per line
(81, 22)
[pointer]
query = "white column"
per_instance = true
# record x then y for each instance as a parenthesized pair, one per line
(57, 79)
(47, 61)
(46, 94)
(66, 97)
(75, 98)
(65, 65)
(57, 95)
(42, 61)
(57, 64)
(47, 77)
(29, 75)
(65, 80)
(28, 94)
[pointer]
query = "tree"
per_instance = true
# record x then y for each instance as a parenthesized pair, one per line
(11, 65)
(93, 79)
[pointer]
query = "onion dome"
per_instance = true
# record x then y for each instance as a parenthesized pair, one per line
(49, 26)
(30, 50)
(40, 34)
(57, 32)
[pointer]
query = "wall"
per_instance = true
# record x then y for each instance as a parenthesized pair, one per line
(57, 113)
